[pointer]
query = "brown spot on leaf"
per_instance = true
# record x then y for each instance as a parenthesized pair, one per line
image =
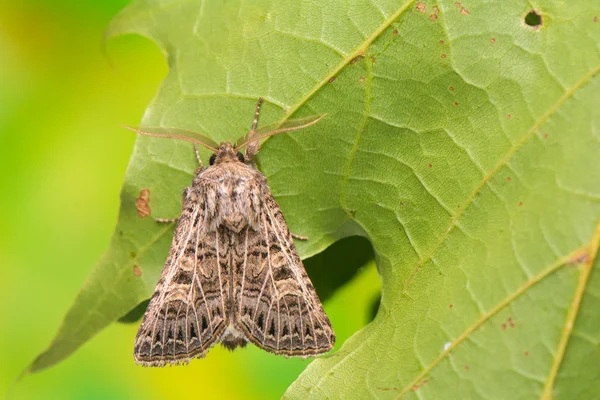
(545, 136)
(452, 88)
(451, 306)
(142, 203)
(443, 56)
(520, 204)
(457, 4)
(420, 385)
(508, 179)
(595, 18)
(355, 59)
(455, 104)
(503, 327)
(421, 7)
(137, 271)
(441, 42)
(395, 31)
(433, 17)
(581, 257)
(429, 165)
(464, 11)
(434, 14)
(332, 79)
(526, 353)
(508, 116)
(493, 40)
(362, 79)
(467, 367)
(373, 59)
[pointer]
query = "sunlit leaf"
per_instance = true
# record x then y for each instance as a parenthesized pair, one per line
(461, 139)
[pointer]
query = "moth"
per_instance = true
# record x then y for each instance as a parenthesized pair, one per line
(233, 274)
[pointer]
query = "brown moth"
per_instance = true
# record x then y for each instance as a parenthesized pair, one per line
(233, 274)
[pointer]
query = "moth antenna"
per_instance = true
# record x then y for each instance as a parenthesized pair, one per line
(175, 133)
(253, 148)
(302, 123)
(256, 114)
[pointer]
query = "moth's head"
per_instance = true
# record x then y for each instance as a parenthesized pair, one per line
(226, 153)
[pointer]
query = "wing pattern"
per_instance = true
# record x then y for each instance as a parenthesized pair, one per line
(188, 311)
(224, 285)
(276, 305)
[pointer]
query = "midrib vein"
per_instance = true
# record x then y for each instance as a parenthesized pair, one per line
(595, 241)
(590, 254)
(495, 310)
(359, 51)
(504, 161)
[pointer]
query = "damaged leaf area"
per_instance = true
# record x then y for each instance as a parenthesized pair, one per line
(461, 139)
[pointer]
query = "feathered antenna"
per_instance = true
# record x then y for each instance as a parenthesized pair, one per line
(277, 128)
(251, 140)
(175, 133)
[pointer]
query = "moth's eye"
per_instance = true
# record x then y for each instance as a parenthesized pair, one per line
(212, 159)
(240, 156)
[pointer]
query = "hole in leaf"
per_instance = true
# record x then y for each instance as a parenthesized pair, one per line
(533, 19)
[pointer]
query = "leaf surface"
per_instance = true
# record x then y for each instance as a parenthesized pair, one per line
(462, 142)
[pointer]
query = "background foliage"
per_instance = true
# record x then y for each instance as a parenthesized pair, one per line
(63, 156)
(460, 141)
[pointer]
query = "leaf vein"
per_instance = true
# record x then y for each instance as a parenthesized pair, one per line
(504, 161)
(487, 316)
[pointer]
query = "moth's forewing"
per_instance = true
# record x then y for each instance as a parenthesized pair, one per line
(175, 133)
(276, 128)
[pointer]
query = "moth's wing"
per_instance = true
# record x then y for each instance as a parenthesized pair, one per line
(276, 305)
(187, 312)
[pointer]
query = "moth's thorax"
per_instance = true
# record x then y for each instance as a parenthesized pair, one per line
(230, 192)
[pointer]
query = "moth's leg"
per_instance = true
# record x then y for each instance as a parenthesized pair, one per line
(198, 155)
(170, 220)
(166, 220)
(299, 237)
(253, 147)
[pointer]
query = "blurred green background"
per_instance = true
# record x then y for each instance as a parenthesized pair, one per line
(62, 160)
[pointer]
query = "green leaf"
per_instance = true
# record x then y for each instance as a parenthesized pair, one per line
(460, 140)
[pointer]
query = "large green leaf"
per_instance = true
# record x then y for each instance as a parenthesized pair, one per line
(460, 140)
